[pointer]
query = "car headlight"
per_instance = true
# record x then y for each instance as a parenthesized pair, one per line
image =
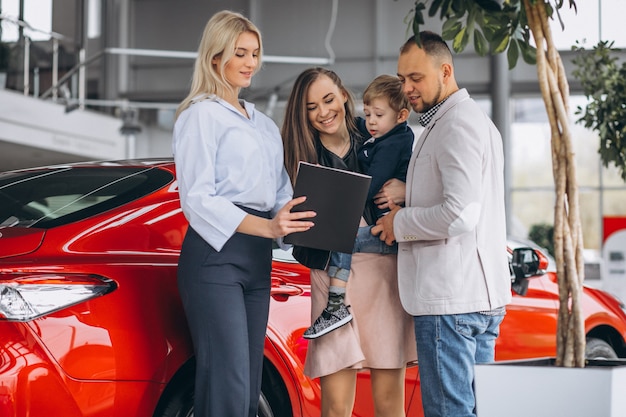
(26, 297)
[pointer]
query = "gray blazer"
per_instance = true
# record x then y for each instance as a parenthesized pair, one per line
(452, 234)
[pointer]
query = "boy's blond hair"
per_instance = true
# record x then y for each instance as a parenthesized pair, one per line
(387, 87)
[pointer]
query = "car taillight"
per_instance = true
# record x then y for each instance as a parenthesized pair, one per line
(26, 297)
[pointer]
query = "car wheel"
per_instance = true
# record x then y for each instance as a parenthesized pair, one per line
(181, 404)
(599, 349)
(265, 410)
(274, 397)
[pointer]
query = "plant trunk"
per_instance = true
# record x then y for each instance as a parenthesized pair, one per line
(568, 239)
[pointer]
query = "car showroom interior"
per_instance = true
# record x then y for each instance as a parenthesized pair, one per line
(91, 224)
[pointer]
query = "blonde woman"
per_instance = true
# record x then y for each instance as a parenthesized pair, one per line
(237, 197)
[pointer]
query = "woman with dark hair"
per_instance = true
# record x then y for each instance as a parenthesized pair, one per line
(320, 127)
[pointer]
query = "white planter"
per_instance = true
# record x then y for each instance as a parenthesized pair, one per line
(537, 388)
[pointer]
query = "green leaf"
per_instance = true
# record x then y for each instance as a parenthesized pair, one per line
(512, 54)
(481, 46)
(434, 7)
(445, 7)
(549, 10)
(450, 29)
(460, 40)
(502, 44)
(490, 5)
(418, 15)
(529, 53)
(418, 19)
(495, 27)
(458, 6)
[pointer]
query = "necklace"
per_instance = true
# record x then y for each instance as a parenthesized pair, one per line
(342, 151)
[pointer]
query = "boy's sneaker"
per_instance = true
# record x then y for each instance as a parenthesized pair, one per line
(327, 322)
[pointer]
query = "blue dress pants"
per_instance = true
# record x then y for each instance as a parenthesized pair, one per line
(226, 297)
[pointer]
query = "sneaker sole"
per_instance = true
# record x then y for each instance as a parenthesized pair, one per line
(335, 326)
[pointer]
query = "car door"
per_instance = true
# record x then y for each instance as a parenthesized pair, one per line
(529, 327)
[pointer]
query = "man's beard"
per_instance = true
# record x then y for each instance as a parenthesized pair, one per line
(427, 105)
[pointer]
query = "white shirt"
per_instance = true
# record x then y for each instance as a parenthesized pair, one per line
(222, 159)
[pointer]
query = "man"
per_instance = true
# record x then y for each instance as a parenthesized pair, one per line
(452, 267)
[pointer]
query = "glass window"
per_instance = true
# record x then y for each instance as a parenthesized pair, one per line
(601, 190)
(613, 202)
(590, 217)
(612, 13)
(93, 19)
(578, 26)
(530, 145)
(532, 207)
(38, 14)
(46, 198)
(595, 20)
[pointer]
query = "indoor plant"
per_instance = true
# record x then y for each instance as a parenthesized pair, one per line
(603, 80)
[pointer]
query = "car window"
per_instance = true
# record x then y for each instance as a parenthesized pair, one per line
(57, 196)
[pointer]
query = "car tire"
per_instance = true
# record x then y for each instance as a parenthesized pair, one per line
(265, 409)
(181, 403)
(599, 349)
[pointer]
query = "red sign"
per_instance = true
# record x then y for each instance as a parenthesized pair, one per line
(612, 225)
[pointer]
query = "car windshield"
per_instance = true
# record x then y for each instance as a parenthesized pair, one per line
(46, 198)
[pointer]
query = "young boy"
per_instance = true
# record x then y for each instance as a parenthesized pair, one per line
(383, 156)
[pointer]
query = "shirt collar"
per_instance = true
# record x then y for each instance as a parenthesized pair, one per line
(425, 118)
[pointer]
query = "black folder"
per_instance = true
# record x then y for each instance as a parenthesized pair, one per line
(338, 197)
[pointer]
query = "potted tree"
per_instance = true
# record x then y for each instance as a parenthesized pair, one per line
(498, 27)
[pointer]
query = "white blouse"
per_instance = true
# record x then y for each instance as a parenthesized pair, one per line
(223, 159)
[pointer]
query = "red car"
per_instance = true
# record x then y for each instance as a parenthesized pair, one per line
(91, 324)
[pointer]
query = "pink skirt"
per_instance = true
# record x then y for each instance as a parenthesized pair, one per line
(380, 335)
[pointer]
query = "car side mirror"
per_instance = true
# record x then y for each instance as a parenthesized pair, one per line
(528, 262)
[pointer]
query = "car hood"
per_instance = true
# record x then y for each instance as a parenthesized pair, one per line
(16, 241)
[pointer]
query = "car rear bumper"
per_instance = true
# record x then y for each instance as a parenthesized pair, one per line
(33, 385)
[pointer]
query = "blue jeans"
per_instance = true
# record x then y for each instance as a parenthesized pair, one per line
(366, 242)
(448, 346)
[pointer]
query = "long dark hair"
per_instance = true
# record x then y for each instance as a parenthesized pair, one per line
(297, 132)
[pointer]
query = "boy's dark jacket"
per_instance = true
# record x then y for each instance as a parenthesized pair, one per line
(383, 159)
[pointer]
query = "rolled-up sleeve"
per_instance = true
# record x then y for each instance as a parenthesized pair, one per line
(225, 161)
(195, 146)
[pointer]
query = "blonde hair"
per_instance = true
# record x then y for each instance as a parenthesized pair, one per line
(219, 39)
(297, 132)
(387, 87)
